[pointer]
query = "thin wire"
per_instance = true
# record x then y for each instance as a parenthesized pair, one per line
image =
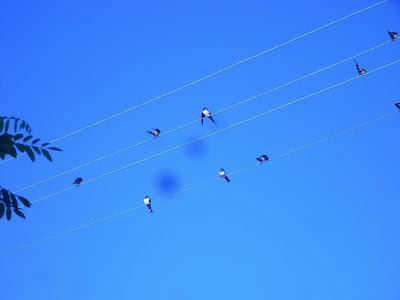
(213, 74)
(335, 135)
(198, 119)
(245, 169)
(218, 131)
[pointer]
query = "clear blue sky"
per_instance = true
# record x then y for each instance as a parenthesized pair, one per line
(321, 224)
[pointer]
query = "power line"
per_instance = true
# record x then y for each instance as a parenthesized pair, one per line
(245, 169)
(212, 74)
(198, 119)
(218, 131)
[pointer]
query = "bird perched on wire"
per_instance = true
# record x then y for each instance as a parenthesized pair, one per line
(78, 181)
(147, 202)
(222, 174)
(155, 132)
(360, 70)
(393, 35)
(263, 158)
(397, 105)
(206, 113)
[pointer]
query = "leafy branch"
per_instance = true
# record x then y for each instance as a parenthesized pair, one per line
(7, 122)
(11, 144)
(9, 203)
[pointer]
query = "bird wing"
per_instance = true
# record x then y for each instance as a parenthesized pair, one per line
(211, 118)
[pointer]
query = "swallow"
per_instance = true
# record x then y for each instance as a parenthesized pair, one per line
(360, 70)
(206, 113)
(155, 132)
(262, 158)
(147, 202)
(222, 173)
(398, 105)
(393, 35)
(78, 181)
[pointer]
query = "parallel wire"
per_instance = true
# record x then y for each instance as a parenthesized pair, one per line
(245, 169)
(198, 119)
(219, 131)
(212, 74)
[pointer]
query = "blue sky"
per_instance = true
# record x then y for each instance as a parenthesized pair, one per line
(321, 224)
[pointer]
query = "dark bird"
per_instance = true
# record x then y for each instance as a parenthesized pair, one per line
(206, 113)
(78, 181)
(397, 105)
(147, 202)
(222, 173)
(393, 35)
(155, 132)
(360, 70)
(262, 158)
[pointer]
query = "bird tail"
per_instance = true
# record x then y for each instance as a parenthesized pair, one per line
(259, 159)
(211, 118)
(227, 179)
(151, 133)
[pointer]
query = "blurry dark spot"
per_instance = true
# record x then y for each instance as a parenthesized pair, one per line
(196, 149)
(167, 182)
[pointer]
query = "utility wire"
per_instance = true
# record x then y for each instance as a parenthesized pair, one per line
(212, 74)
(218, 131)
(129, 210)
(198, 119)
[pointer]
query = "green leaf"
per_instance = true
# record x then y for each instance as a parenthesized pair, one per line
(8, 213)
(45, 144)
(55, 148)
(19, 213)
(2, 209)
(20, 147)
(47, 154)
(7, 126)
(1, 124)
(27, 138)
(12, 151)
(24, 201)
(14, 200)
(6, 197)
(35, 141)
(37, 150)
(16, 125)
(2, 155)
(23, 124)
(18, 136)
(30, 153)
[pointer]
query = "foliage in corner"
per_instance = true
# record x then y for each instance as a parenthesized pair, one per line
(9, 203)
(12, 142)
(16, 138)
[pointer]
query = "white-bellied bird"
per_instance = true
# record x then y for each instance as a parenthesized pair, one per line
(147, 202)
(263, 158)
(393, 35)
(360, 70)
(222, 174)
(155, 132)
(206, 113)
